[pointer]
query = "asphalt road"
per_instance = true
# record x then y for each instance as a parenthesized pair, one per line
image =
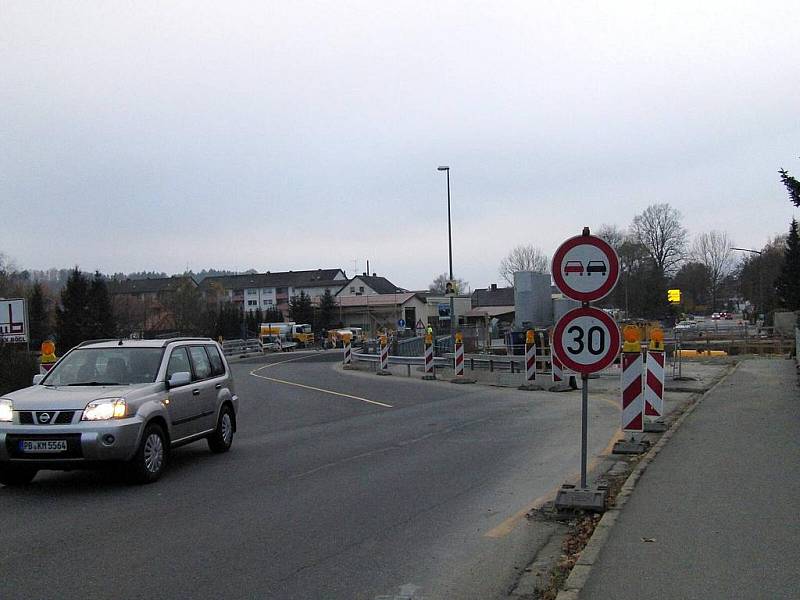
(351, 486)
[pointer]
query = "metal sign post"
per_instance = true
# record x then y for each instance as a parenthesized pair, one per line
(585, 339)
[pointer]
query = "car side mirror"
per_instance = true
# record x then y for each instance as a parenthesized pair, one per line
(37, 379)
(180, 378)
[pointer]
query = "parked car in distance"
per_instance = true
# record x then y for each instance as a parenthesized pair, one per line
(715, 316)
(119, 401)
(686, 326)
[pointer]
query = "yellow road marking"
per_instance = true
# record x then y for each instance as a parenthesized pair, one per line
(311, 387)
(504, 528)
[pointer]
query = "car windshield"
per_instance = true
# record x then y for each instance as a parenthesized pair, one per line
(106, 366)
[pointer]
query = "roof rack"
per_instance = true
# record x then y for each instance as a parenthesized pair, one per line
(186, 339)
(164, 341)
(85, 342)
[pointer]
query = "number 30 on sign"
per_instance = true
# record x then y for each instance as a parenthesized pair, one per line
(586, 340)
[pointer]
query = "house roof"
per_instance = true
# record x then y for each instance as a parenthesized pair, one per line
(381, 285)
(147, 286)
(376, 299)
(489, 311)
(334, 284)
(493, 297)
(311, 278)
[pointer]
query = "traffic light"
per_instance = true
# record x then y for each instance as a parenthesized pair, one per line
(674, 296)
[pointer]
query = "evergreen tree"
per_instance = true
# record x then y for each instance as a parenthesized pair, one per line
(792, 186)
(38, 316)
(272, 315)
(102, 323)
(73, 317)
(300, 309)
(788, 283)
(327, 310)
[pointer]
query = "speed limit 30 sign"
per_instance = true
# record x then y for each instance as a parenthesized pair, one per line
(586, 340)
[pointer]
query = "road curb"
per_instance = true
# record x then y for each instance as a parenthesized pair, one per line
(591, 553)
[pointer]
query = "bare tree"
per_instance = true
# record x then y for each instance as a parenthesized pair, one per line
(659, 230)
(524, 257)
(614, 235)
(438, 285)
(713, 250)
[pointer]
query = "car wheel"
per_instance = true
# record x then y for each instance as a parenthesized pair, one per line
(150, 459)
(16, 475)
(222, 438)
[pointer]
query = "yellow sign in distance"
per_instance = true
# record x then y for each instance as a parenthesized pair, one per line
(674, 296)
(632, 339)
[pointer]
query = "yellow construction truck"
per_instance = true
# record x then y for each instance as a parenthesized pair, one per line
(285, 336)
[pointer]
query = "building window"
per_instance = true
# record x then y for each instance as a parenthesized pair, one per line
(268, 302)
(352, 289)
(361, 289)
(252, 292)
(252, 303)
(266, 292)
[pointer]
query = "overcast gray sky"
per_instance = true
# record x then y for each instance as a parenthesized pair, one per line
(295, 135)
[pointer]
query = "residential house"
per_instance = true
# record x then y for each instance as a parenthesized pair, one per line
(271, 290)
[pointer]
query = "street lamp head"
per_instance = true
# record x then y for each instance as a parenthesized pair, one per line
(443, 168)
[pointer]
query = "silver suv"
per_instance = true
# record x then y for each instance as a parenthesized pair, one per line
(126, 401)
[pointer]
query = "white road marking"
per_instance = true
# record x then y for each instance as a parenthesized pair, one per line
(310, 387)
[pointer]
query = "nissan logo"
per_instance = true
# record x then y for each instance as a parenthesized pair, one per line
(44, 417)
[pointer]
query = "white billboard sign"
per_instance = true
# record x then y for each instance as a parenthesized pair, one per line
(13, 322)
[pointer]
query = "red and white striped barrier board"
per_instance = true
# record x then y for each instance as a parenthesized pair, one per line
(428, 359)
(459, 359)
(530, 362)
(557, 368)
(348, 354)
(654, 385)
(632, 400)
(384, 357)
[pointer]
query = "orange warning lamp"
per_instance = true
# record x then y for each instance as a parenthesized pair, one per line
(632, 338)
(48, 347)
(529, 337)
(346, 338)
(656, 339)
(459, 337)
(383, 340)
(428, 338)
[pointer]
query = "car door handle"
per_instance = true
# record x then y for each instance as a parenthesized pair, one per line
(218, 386)
(195, 392)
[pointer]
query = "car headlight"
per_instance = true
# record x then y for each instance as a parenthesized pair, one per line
(104, 409)
(6, 410)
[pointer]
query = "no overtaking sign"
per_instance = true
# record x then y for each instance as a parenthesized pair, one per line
(585, 268)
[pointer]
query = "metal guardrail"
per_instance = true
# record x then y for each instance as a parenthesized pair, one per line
(400, 360)
(233, 347)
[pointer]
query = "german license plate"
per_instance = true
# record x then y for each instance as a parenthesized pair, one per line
(43, 445)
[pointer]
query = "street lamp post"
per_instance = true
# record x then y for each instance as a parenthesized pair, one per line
(449, 242)
(760, 279)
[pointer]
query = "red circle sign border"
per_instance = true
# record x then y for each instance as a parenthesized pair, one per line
(614, 346)
(601, 292)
